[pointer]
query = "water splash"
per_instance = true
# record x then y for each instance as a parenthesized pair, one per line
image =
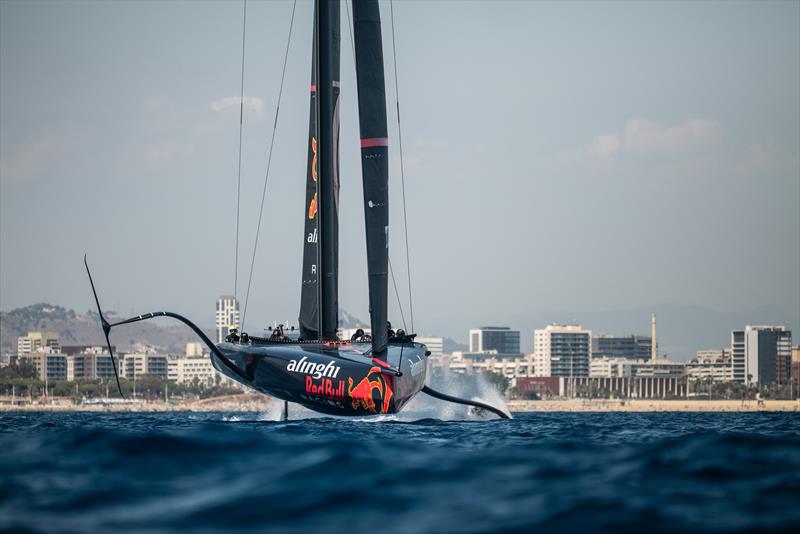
(476, 388)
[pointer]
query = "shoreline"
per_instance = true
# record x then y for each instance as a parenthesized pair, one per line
(260, 403)
(653, 405)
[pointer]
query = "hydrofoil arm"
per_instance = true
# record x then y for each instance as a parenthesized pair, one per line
(108, 326)
(477, 404)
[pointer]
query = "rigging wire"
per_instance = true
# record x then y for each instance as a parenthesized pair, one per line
(397, 296)
(402, 168)
(269, 161)
(239, 173)
(391, 270)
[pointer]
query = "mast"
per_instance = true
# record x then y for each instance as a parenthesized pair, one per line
(374, 160)
(309, 295)
(328, 46)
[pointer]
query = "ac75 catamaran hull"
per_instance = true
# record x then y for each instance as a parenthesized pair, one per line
(336, 378)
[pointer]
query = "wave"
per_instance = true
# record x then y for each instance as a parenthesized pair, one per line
(604, 472)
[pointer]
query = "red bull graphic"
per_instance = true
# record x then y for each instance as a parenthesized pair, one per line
(362, 393)
(314, 159)
(326, 387)
(312, 208)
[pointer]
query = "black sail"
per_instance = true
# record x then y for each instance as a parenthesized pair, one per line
(329, 38)
(309, 295)
(374, 160)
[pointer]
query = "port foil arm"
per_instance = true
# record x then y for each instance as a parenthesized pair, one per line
(477, 404)
(204, 338)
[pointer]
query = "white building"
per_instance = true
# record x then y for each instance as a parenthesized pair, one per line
(195, 349)
(761, 354)
(562, 350)
(639, 368)
(227, 316)
(714, 364)
(434, 344)
(604, 367)
(35, 341)
(184, 370)
(510, 366)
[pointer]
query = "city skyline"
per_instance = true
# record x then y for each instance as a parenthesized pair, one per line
(608, 180)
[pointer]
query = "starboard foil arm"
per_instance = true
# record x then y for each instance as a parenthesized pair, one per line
(477, 404)
(108, 326)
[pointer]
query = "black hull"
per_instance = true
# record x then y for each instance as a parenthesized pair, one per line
(334, 378)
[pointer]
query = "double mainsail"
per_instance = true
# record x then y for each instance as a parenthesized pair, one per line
(319, 297)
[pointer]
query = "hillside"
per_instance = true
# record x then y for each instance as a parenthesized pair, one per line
(84, 329)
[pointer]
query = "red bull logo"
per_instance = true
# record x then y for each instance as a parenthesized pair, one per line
(312, 208)
(314, 159)
(364, 394)
(325, 388)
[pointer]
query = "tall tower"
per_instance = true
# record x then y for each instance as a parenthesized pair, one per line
(654, 347)
(227, 316)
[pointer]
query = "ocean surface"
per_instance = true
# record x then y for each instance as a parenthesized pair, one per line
(660, 472)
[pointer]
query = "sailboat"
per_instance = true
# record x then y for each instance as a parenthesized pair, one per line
(367, 374)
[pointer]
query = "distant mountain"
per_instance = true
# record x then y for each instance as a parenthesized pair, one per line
(79, 329)
(451, 345)
(349, 321)
(84, 329)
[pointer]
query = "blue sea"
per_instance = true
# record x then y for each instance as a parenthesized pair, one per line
(213, 472)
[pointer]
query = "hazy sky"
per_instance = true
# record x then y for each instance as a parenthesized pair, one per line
(559, 157)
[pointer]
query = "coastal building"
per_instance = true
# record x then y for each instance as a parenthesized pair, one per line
(626, 368)
(435, 344)
(35, 341)
(713, 364)
(601, 387)
(633, 347)
(511, 366)
(195, 349)
(91, 364)
(227, 316)
(188, 369)
(604, 367)
(761, 354)
(71, 350)
(562, 350)
(500, 338)
(641, 387)
(795, 369)
(134, 365)
(50, 364)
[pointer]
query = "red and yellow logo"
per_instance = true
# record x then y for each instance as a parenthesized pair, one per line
(362, 393)
(314, 159)
(312, 208)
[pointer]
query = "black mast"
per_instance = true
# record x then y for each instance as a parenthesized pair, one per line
(328, 45)
(309, 295)
(374, 160)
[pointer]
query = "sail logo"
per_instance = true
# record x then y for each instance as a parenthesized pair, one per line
(314, 159)
(418, 366)
(317, 370)
(372, 204)
(312, 236)
(312, 208)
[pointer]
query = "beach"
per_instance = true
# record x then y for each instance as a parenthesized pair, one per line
(260, 403)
